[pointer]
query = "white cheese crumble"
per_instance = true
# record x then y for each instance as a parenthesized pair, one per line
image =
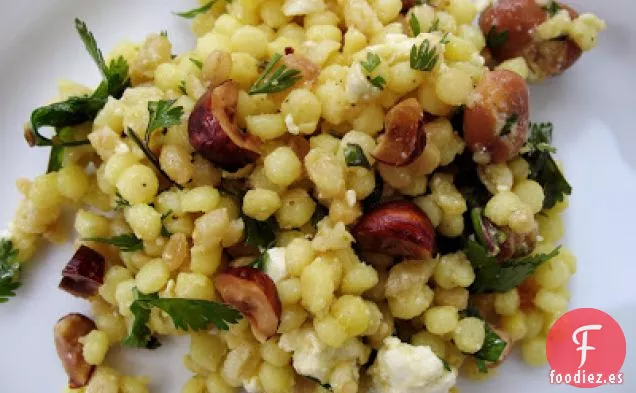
(358, 88)
(275, 265)
(303, 7)
(291, 126)
(351, 198)
(404, 368)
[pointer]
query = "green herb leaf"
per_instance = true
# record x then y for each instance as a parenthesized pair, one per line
(434, 26)
(126, 243)
(9, 270)
(371, 63)
(481, 365)
(182, 88)
(164, 231)
(444, 40)
(493, 346)
(140, 335)
(415, 25)
(378, 82)
(510, 122)
(273, 80)
(162, 115)
(425, 57)
(491, 276)
(494, 38)
(354, 156)
(91, 45)
(196, 11)
(56, 157)
(552, 7)
(120, 201)
(261, 262)
(376, 196)
(543, 169)
(197, 63)
(150, 156)
(260, 234)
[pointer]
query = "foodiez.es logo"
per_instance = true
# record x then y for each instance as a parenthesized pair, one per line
(586, 348)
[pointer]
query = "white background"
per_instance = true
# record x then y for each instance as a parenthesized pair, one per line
(592, 106)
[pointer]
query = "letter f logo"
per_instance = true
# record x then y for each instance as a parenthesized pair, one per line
(583, 344)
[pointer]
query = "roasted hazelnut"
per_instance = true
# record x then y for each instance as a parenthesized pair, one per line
(254, 294)
(214, 132)
(84, 273)
(67, 332)
(398, 228)
(496, 116)
(404, 139)
(515, 22)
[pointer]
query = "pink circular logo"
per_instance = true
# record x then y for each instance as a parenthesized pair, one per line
(586, 348)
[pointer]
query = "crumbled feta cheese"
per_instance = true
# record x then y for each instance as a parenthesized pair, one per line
(358, 88)
(404, 368)
(351, 198)
(303, 7)
(275, 266)
(291, 126)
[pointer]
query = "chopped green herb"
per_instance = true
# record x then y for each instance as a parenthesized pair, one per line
(415, 25)
(491, 276)
(196, 11)
(494, 38)
(164, 33)
(371, 63)
(197, 63)
(543, 169)
(434, 26)
(56, 157)
(481, 365)
(261, 261)
(510, 122)
(186, 314)
(126, 243)
(260, 234)
(182, 88)
(552, 7)
(354, 156)
(493, 346)
(444, 40)
(378, 82)
(162, 115)
(150, 156)
(423, 58)
(275, 80)
(164, 231)
(9, 270)
(120, 201)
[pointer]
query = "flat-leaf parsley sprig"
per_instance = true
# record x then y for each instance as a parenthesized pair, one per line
(126, 243)
(186, 314)
(273, 80)
(190, 14)
(424, 57)
(369, 65)
(9, 270)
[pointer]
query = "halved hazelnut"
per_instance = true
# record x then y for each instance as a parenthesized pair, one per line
(502, 242)
(398, 228)
(214, 132)
(404, 139)
(84, 273)
(67, 332)
(517, 245)
(254, 294)
(515, 22)
(496, 117)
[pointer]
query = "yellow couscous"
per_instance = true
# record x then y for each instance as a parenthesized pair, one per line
(324, 195)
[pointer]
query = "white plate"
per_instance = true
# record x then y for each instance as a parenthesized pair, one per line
(592, 106)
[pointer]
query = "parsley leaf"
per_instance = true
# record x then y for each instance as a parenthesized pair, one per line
(162, 115)
(434, 26)
(56, 157)
(196, 11)
(9, 270)
(371, 63)
(415, 25)
(378, 82)
(275, 80)
(493, 346)
(543, 169)
(164, 231)
(552, 7)
(481, 365)
(260, 262)
(182, 88)
(354, 156)
(510, 122)
(186, 314)
(260, 234)
(491, 276)
(494, 38)
(423, 58)
(126, 243)
(197, 63)
(120, 201)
